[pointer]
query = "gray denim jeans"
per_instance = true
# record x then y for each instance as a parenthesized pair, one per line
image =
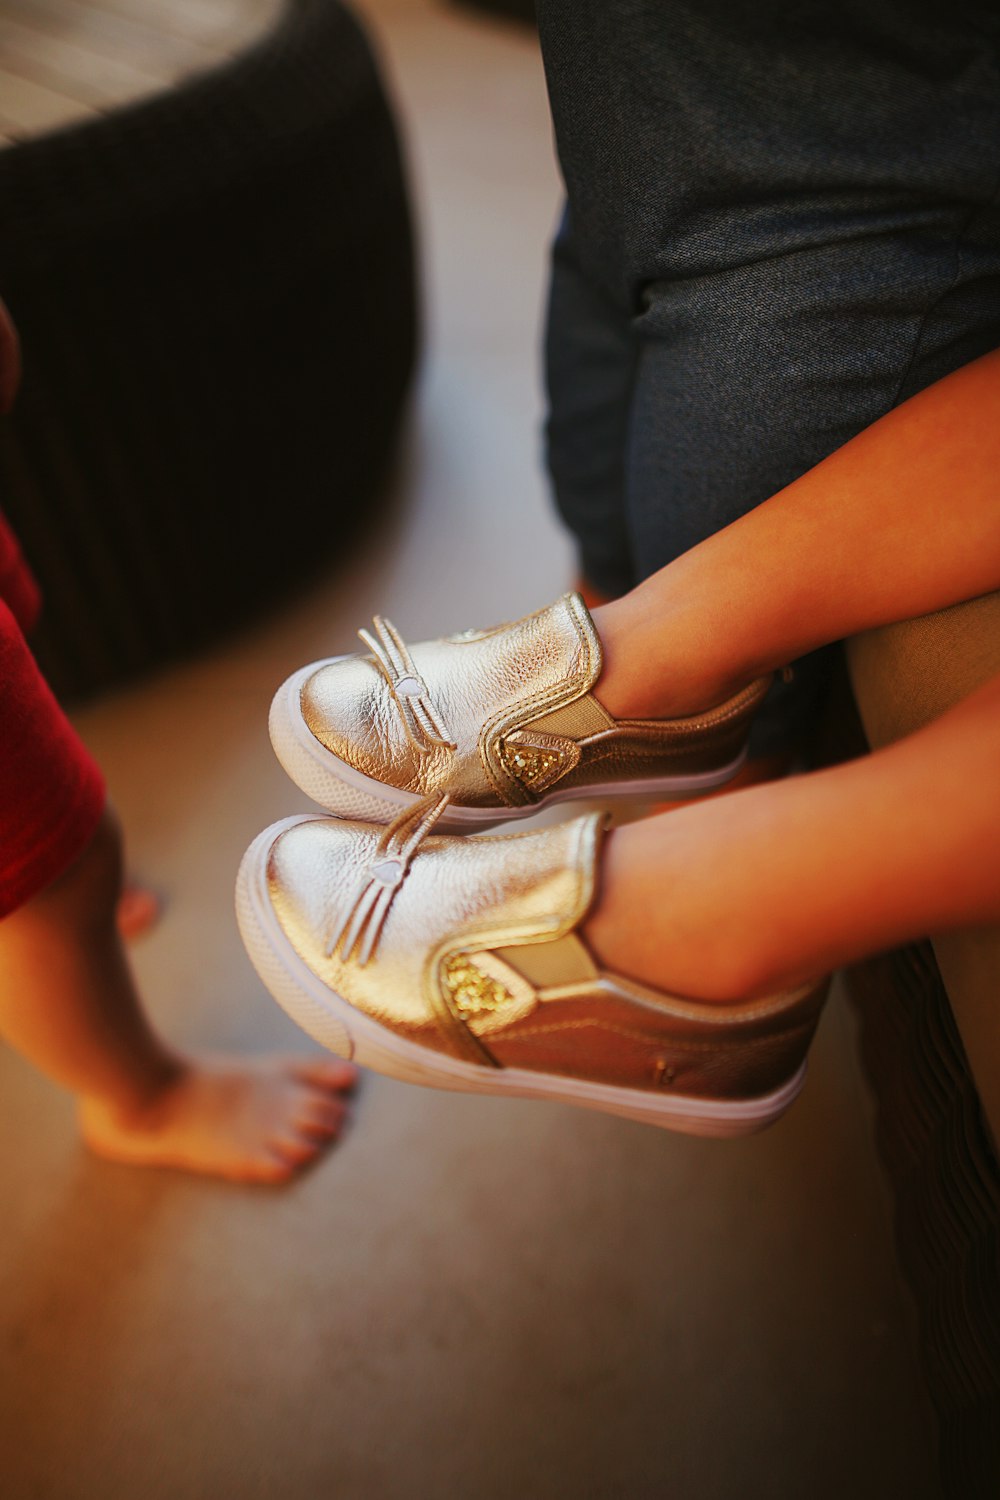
(782, 220)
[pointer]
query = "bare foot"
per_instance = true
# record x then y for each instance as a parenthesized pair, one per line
(243, 1118)
(137, 911)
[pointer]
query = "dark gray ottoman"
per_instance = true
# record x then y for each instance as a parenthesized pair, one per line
(215, 294)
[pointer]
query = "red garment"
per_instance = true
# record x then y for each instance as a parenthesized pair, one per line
(18, 589)
(51, 790)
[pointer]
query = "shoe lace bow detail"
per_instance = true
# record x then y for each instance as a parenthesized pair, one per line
(409, 691)
(364, 916)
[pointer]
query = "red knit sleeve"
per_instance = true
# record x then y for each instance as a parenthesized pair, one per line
(18, 588)
(51, 789)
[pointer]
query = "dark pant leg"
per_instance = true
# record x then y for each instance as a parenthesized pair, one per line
(667, 427)
(590, 356)
(749, 377)
(796, 212)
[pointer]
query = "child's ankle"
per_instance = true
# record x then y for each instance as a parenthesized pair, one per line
(656, 669)
(141, 1096)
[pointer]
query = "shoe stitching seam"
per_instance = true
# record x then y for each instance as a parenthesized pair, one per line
(470, 943)
(517, 717)
(711, 719)
(558, 696)
(711, 1045)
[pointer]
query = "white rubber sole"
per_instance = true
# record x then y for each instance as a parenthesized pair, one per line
(351, 1034)
(348, 793)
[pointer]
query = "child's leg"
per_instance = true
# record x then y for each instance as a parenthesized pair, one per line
(69, 1004)
(900, 521)
(67, 997)
(777, 884)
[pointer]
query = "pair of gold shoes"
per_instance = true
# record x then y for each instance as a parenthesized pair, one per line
(457, 962)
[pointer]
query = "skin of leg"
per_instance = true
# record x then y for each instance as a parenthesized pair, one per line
(898, 522)
(69, 1004)
(782, 883)
(138, 911)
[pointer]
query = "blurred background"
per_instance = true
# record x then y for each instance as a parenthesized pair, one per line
(279, 280)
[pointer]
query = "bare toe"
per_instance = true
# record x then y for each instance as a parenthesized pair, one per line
(323, 1118)
(272, 1169)
(245, 1119)
(297, 1150)
(329, 1074)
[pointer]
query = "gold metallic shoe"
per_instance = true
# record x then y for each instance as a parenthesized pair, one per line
(455, 962)
(502, 721)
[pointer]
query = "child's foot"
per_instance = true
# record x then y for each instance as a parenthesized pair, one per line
(464, 964)
(502, 721)
(246, 1119)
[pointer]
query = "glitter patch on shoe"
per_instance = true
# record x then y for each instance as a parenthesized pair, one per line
(484, 993)
(538, 760)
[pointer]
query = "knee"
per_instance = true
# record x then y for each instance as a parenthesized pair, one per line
(88, 889)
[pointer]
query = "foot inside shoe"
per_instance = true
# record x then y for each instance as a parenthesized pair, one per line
(503, 722)
(477, 980)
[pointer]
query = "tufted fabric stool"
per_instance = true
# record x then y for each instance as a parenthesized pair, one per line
(207, 250)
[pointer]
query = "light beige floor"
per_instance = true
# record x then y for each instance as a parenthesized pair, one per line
(470, 1297)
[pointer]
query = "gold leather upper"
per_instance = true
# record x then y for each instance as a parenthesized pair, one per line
(516, 706)
(478, 957)
(458, 894)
